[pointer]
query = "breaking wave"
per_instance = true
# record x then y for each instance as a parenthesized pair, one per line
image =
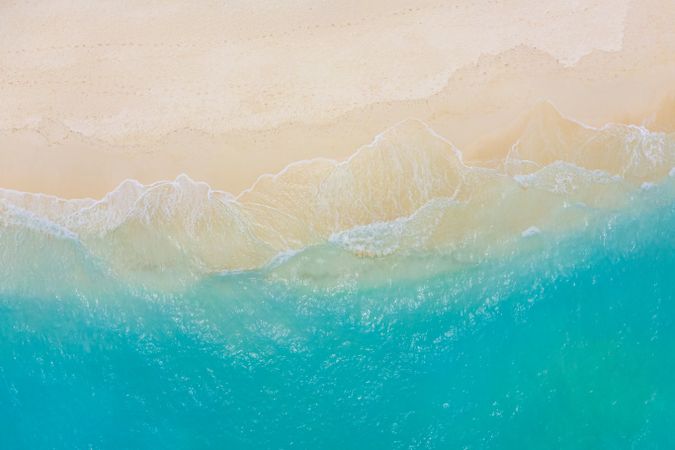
(407, 193)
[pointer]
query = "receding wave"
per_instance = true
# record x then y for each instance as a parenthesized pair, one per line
(407, 192)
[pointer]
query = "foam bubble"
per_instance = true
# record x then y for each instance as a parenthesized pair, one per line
(531, 231)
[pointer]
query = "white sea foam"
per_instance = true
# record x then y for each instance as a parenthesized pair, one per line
(409, 189)
(531, 231)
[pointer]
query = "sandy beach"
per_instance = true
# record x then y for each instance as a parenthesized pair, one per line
(94, 94)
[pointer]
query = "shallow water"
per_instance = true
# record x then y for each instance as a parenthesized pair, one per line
(569, 345)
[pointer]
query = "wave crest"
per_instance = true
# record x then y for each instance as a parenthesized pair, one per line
(408, 190)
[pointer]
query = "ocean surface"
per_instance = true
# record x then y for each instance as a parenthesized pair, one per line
(400, 299)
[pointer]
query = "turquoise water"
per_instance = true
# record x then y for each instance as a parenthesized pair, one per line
(570, 344)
